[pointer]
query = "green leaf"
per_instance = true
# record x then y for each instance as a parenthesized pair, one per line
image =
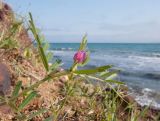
(114, 81)
(93, 71)
(56, 64)
(37, 38)
(83, 43)
(111, 77)
(43, 57)
(27, 100)
(49, 56)
(46, 46)
(36, 113)
(108, 74)
(17, 88)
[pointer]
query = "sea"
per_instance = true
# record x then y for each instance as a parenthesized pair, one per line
(139, 65)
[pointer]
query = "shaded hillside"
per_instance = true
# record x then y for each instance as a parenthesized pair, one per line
(8, 21)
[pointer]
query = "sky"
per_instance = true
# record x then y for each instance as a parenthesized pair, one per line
(109, 21)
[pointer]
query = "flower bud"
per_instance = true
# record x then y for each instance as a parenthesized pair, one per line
(80, 57)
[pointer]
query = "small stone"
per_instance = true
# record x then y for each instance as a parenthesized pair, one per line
(90, 112)
(64, 79)
(5, 81)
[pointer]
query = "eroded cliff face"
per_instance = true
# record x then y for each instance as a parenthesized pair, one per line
(14, 66)
(8, 21)
(11, 28)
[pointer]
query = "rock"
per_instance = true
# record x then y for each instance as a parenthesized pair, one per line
(63, 79)
(5, 81)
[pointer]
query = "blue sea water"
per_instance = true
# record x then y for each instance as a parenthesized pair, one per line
(139, 64)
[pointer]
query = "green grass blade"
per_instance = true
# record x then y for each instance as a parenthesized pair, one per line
(93, 71)
(27, 100)
(17, 89)
(114, 81)
(56, 64)
(37, 38)
(40, 48)
(44, 59)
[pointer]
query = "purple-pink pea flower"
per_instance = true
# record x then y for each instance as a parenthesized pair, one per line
(80, 56)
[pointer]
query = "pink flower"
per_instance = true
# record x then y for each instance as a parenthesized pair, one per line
(80, 56)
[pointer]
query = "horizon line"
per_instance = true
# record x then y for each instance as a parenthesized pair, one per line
(109, 42)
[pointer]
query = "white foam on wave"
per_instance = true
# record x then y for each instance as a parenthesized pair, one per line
(63, 53)
(156, 54)
(144, 58)
(128, 62)
(145, 99)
